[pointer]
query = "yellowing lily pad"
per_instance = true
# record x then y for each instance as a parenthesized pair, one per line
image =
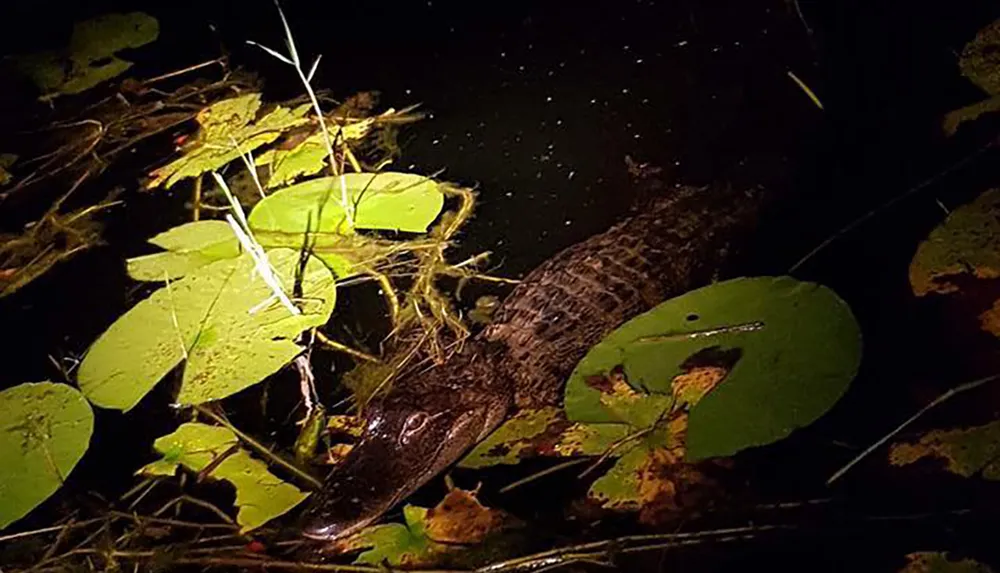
(966, 452)
(6, 161)
(44, 431)
(188, 247)
(226, 132)
(941, 562)
(260, 496)
(791, 348)
(542, 432)
(217, 318)
(966, 243)
(980, 61)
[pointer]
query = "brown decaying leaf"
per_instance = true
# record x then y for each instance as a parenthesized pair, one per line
(940, 562)
(461, 519)
(967, 451)
(990, 319)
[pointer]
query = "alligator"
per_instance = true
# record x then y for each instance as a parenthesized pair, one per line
(678, 238)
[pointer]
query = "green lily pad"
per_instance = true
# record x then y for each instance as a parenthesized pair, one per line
(226, 132)
(44, 431)
(795, 348)
(90, 57)
(188, 247)
(214, 318)
(383, 201)
(966, 243)
(307, 158)
(260, 496)
(396, 543)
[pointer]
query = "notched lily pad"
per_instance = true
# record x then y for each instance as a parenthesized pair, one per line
(219, 320)
(790, 349)
(382, 201)
(967, 451)
(44, 431)
(260, 496)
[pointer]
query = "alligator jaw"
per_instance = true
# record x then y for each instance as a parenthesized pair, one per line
(391, 462)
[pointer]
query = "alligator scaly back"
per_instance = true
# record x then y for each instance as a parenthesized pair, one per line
(568, 304)
(675, 242)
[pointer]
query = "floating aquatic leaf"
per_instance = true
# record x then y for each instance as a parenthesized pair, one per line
(508, 443)
(980, 61)
(940, 562)
(791, 349)
(428, 535)
(217, 318)
(955, 118)
(542, 432)
(966, 243)
(44, 431)
(633, 481)
(460, 518)
(188, 247)
(967, 451)
(382, 201)
(90, 57)
(307, 157)
(989, 320)
(225, 132)
(651, 476)
(395, 543)
(260, 496)
(6, 161)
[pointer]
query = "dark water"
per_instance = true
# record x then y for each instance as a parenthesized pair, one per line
(538, 103)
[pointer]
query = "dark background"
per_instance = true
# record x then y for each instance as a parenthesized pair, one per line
(538, 103)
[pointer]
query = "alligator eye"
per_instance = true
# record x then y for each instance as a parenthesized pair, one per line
(414, 424)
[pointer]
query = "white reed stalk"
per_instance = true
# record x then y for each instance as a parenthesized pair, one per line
(293, 60)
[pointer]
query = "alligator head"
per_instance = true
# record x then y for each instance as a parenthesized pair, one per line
(410, 435)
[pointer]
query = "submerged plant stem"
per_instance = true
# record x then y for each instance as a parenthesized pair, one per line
(345, 349)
